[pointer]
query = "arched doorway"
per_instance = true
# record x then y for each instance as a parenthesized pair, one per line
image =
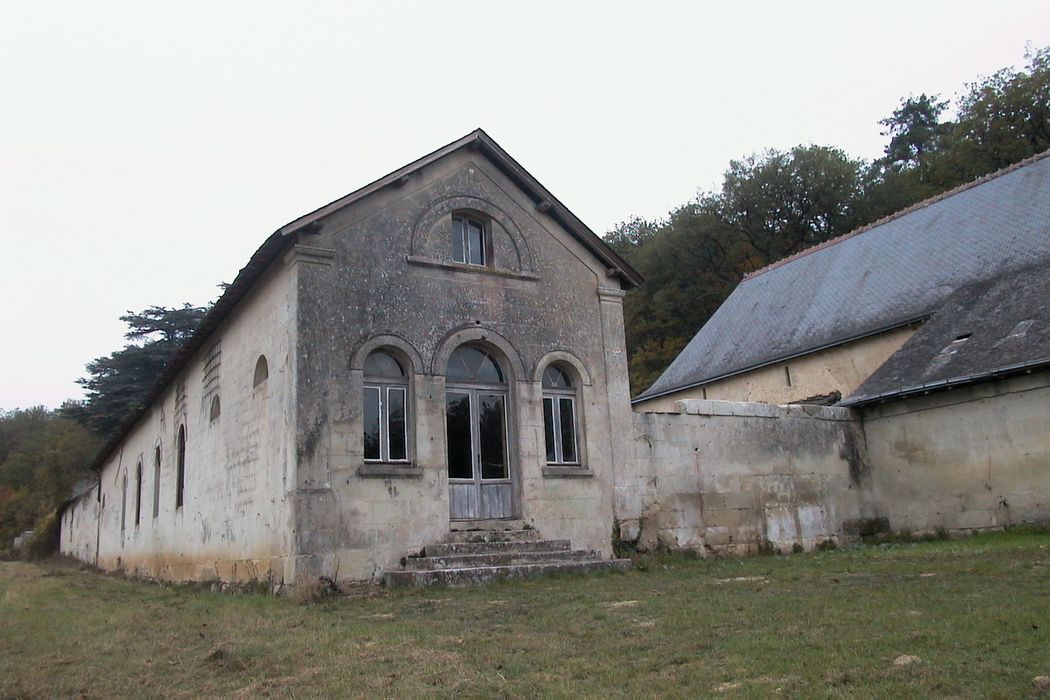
(476, 415)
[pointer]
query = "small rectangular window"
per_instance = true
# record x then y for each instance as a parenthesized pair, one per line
(396, 430)
(373, 429)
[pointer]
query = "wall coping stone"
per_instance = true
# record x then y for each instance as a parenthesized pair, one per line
(750, 409)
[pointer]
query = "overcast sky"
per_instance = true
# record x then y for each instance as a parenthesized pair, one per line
(147, 148)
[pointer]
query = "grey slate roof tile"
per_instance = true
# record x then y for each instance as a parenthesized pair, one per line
(879, 277)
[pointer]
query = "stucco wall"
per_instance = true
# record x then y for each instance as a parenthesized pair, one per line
(388, 281)
(975, 457)
(730, 477)
(841, 368)
(235, 522)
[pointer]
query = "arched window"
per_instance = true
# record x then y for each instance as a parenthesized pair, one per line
(385, 409)
(138, 493)
(156, 481)
(180, 478)
(262, 371)
(216, 408)
(560, 425)
(476, 431)
(470, 240)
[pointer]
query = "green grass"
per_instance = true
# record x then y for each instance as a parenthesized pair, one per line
(976, 611)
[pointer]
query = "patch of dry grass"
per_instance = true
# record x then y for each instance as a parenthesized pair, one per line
(976, 612)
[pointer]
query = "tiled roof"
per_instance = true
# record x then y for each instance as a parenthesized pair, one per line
(984, 330)
(882, 276)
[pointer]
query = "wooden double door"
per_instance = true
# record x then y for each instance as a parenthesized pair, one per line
(479, 470)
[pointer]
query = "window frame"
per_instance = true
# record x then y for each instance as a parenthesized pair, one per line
(384, 386)
(156, 480)
(466, 219)
(556, 396)
(180, 476)
(138, 493)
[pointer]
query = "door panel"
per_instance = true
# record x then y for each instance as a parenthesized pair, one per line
(492, 436)
(478, 468)
(459, 436)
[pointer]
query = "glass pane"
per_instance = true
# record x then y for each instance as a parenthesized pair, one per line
(476, 243)
(471, 364)
(458, 253)
(555, 378)
(398, 435)
(372, 423)
(491, 430)
(568, 431)
(548, 428)
(383, 365)
(457, 426)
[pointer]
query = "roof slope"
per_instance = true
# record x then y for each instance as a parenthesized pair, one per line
(879, 277)
(276, 243)
(983, 330)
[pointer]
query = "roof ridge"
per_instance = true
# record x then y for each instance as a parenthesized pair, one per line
(901, 213)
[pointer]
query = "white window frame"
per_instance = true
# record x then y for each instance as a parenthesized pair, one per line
(555, 397)
(384, 389)
(466, 220)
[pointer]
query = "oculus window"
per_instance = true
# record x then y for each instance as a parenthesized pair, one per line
(385, 409)
(560, 424)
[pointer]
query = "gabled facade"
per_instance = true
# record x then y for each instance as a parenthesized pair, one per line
(442, 347)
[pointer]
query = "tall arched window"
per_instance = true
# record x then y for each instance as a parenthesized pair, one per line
(262, 371)
(123, 506)
(180, 479)
(385, 409)
(156, 481)
(138, 493)
(560, 425)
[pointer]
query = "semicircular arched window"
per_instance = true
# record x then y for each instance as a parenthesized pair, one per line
(385, 409)
(560, 424)
(474, 365)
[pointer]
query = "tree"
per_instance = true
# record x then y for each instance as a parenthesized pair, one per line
(117, 384)
(914, 129)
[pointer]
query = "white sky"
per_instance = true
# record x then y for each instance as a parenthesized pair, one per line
(148, 148)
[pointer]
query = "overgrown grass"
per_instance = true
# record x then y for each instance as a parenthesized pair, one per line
(830, 624)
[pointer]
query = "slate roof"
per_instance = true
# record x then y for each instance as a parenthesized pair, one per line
(983, 331)
(882, 276)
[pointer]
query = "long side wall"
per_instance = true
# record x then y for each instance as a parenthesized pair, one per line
(732, 477)
(235, 521)
(972, 458)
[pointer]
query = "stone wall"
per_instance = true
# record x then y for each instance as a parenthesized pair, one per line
(975, 457)
(733, 477)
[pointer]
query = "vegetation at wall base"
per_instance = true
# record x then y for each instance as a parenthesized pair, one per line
(825, 624)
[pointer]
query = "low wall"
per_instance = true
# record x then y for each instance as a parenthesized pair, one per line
(732, 477)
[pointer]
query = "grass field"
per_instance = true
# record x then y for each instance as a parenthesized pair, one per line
(975, 612)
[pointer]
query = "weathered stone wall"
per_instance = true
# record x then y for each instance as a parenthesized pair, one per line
(972, 458)
(381, 276)
(234, 524)
(732, 477)
(842, 368)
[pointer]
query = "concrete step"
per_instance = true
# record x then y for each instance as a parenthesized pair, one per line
(516, 535)
(446, 549)
(481, 574)
(466, 561)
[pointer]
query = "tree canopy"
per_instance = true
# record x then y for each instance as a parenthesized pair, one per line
(117, 384)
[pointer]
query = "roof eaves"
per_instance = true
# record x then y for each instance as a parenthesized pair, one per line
(950, 383)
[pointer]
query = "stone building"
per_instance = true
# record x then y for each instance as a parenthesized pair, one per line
(426, 380)
(441, 350)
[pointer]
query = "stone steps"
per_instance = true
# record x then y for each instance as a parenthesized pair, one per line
(498, 550)
(482, 574)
